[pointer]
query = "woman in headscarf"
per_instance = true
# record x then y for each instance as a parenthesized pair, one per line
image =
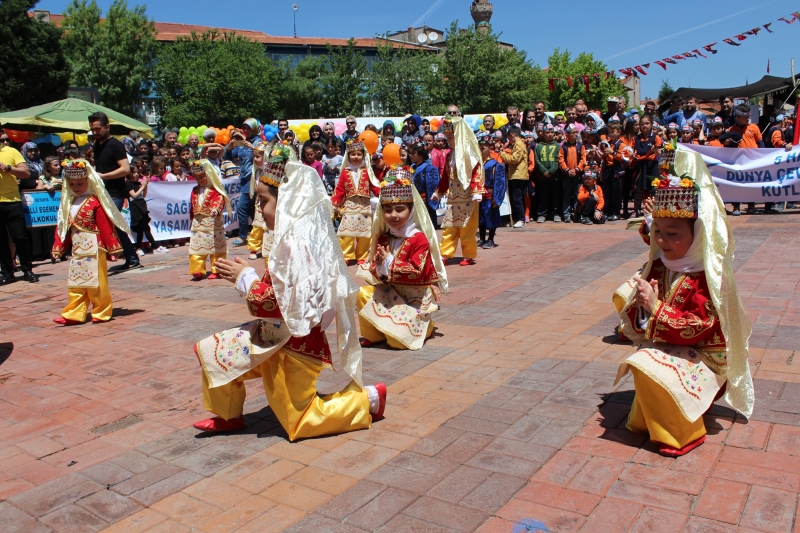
(130, 146)
(31, 154)
(314, 135)
(328, 133)
(412, 129)
(305, 287)
(388, 129)
(685, 311)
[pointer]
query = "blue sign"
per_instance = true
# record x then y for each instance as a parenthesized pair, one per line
(41, 208)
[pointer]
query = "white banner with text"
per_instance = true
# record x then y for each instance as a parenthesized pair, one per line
(753, 174)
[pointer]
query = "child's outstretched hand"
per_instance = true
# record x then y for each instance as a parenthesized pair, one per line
(646, 294)
(647, 205)
(230, 270)
(380, 254)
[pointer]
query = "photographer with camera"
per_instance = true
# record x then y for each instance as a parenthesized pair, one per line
(240, 151)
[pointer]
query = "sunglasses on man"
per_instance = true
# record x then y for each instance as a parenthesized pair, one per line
(5, 140)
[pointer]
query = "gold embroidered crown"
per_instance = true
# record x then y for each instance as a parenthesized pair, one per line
(397, 186)
(74, 169)
(356, 144)
(675, 196)
(196, 168)
(274, 172)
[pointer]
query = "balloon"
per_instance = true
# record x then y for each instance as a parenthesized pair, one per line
(391, 154)
(269, 135)
(339, 128)
(201, 129)
(55, 140)
(82, 139)
(184, 130)
(370, 139)
(230, 127)
(435, 123)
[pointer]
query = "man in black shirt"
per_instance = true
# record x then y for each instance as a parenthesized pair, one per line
(111, 164)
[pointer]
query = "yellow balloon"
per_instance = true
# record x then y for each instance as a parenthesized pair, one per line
(483, 128)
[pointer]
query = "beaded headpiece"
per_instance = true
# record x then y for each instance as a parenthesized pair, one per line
(196, 168)
(675, 196)
(397, 186)
(355, 144)
(447, 124)
(274, 171)
(74, 169)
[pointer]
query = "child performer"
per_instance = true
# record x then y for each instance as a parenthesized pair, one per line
(352, 198)
(495, 186)
(405, 272)
(205, 211)
(462, 182)
(305, 286)
(686, 312)
(259, 240)
(86, 220)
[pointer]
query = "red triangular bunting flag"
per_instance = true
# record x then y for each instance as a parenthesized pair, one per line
(646, 65)
(741, 37)
(794, 18)
(708, 48)
(731, 42)
(689, 54)
(627, 71)
(766, 27)
(585, 79)
(661, 64)
(754, 31)
(678, 57)
(670, 61)
(551, 84)
(569, 81)
(640, 70)
(698, 52)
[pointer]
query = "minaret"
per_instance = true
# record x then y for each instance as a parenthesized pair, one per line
(481, 11)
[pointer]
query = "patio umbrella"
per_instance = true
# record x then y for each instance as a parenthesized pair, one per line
(71, 114)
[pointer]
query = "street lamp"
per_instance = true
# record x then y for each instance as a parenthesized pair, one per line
(294, 16)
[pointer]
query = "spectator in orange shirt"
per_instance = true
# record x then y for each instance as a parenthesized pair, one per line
(751, 135)
(571, 162)
(590, 200)
(687, 135)
(672, 131)
(716, 127)
(780, 134)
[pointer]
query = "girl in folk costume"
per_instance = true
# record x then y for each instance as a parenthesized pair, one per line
(259, 240)
(405, 272)
(208, 230)
(495, 187)
(685, 311)
(86, 220)
(462, 182)
(352, 198)
(305, 287)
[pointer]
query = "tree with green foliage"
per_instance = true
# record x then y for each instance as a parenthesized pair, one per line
(299, 91)
(343, 82)
(481, 75)
(562, 66)
(216, 78)
(34, 70)
(665, 91)
(404, 80)
(113, 55)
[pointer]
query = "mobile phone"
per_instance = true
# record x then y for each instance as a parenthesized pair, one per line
(238, 143)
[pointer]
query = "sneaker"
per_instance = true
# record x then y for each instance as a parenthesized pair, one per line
(481, 242)
(751, 210)
(238, 241)
(737, 213)
(585, 220)
(519, 224)
(612, 218)
(556, 218)
(540, 220)
(567, 218)
(161, 250)
(253, 255)
(139, 252)
(488, 245)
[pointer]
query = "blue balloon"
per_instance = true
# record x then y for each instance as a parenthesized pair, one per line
(55, 140)
(269, 135)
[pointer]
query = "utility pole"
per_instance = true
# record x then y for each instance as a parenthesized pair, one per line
(294, 18)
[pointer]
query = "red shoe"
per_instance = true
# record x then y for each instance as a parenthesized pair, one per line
(65, 321)
(669, 451)
(621, 336)
(361, 261)
(365, 343)
(98, 321)
(197, 276)
(466, 262)
(217, 424)
(381, 388)
(213, 276)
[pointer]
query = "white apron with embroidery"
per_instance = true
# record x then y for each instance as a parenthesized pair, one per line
(356, 218)
(228, 354)
(460, 206)
(208, 236)
(83, 267)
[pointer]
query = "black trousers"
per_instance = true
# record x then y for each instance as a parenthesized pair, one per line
(12, 222)
(588, 208)
(627, 190)
(570, 185)
(612, 192)
(517, 190)
(548, 192)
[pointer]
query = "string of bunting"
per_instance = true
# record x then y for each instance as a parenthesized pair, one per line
(588, 79)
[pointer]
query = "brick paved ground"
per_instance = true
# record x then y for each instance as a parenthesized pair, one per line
(506, 419)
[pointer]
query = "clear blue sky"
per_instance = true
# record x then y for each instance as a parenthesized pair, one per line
(622, 38)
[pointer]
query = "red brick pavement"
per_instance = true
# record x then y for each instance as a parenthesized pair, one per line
(507, 418)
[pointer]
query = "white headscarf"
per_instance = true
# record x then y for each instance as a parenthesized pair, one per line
(216, 183)
(366, 163)
(308, 268)
(694, 260)
(466, 152)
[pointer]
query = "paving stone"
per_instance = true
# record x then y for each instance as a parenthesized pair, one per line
(47, 498)
(109, 505)
(161, 489)
(769, 509)
(381, 509)
(73, 519)
(493, 493)
(352, 499)
(445, 514)
(16, 521)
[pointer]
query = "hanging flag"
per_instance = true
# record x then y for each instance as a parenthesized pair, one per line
(646, 65)
(766, 27)
(708, 48)
(754, 31)
(796, 139)
(627, 71)
(741, 37)
(795, 17)
(698, 52)
(569, 81)
(661, 64)
(586, 83)
(689, 54)
(551, 84)
(678, 57)
(670, 61)
(596, 80)
(731, 42)
(640, 70)
(767, 65)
